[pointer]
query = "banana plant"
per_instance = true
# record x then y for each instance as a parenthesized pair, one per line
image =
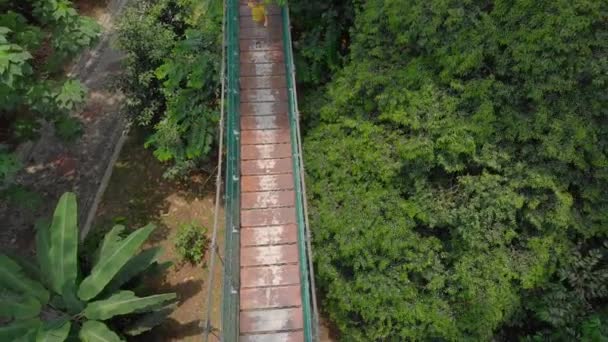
(53, 301)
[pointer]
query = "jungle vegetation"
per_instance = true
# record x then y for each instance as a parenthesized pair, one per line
(456, 154)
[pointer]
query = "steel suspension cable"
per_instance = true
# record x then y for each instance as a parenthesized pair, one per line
(214, 246)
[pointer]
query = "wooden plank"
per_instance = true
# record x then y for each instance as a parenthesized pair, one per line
(264, 122)
(271, 320)
(264, 108)
(265, 136)
(271, 151)
(262, 69)
(269, 235)
(292, 336)
(267, 183)
(270, 297)
(269, 255)
(268, 217)
(266, 167)
(270, 276)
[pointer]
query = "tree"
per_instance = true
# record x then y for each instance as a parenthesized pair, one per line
(172, 77)
(457, 172)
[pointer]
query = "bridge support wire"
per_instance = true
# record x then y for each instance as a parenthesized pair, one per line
(215, 250)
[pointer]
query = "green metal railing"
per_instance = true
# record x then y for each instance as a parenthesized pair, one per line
(231, 283)
(309, 303)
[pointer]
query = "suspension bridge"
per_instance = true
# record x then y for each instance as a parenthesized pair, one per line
(268, 284)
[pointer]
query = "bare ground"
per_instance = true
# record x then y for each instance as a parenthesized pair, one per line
(137, 194)
(53, 166)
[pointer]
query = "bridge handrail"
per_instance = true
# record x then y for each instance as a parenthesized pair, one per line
(309, 300)
(231, 284)
(229, 116)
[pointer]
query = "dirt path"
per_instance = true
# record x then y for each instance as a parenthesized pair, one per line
(53, 166)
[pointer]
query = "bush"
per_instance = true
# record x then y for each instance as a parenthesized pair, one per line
(172, 77)
(457, 173)
(191, 243)
(25, 85)
(53, 300)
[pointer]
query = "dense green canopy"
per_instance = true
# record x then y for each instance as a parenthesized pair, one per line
(458, 169)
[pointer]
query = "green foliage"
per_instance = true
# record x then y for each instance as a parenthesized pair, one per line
(191, 243)
(25, 84)
(37, 38)
(458, 171)
(172, 77)
(321, 37)
(73, 301)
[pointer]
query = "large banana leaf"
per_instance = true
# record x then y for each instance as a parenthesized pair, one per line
(94, 331)
(12, 278)
(133, 267)
(18, 306)
(149, 320)
(29, 336)
(70, 300)
(110, 241)
(56, 331)
(43, 251)
(18, 329)
(30, 269)
(112, 262)
(64, 243)
(125, 302)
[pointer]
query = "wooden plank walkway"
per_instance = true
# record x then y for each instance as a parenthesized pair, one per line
(270, 293)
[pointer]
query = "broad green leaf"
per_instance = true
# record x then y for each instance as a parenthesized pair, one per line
(18, 306)
(112, 238)
(71, 94)
(64, 243)
(57, 302)
(94, 331)
(29, 268)
(71, 301)
(149, 320)
(43, 253)
(112, 262)
(12, 278)
(29, 336)
(56, 331)
(17, 329)
(134, 267)
(125, 302)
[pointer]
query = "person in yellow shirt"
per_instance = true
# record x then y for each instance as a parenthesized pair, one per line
(258, 11)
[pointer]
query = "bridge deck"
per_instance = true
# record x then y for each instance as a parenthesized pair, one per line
(270, 293)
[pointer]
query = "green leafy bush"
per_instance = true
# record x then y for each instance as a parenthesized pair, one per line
(172, 77)
(25, 64)
(458, 172)
(54, 300)
(191, 243)
(37, 38)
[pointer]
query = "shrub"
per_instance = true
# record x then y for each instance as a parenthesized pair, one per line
(54, 300)
(191, 243)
